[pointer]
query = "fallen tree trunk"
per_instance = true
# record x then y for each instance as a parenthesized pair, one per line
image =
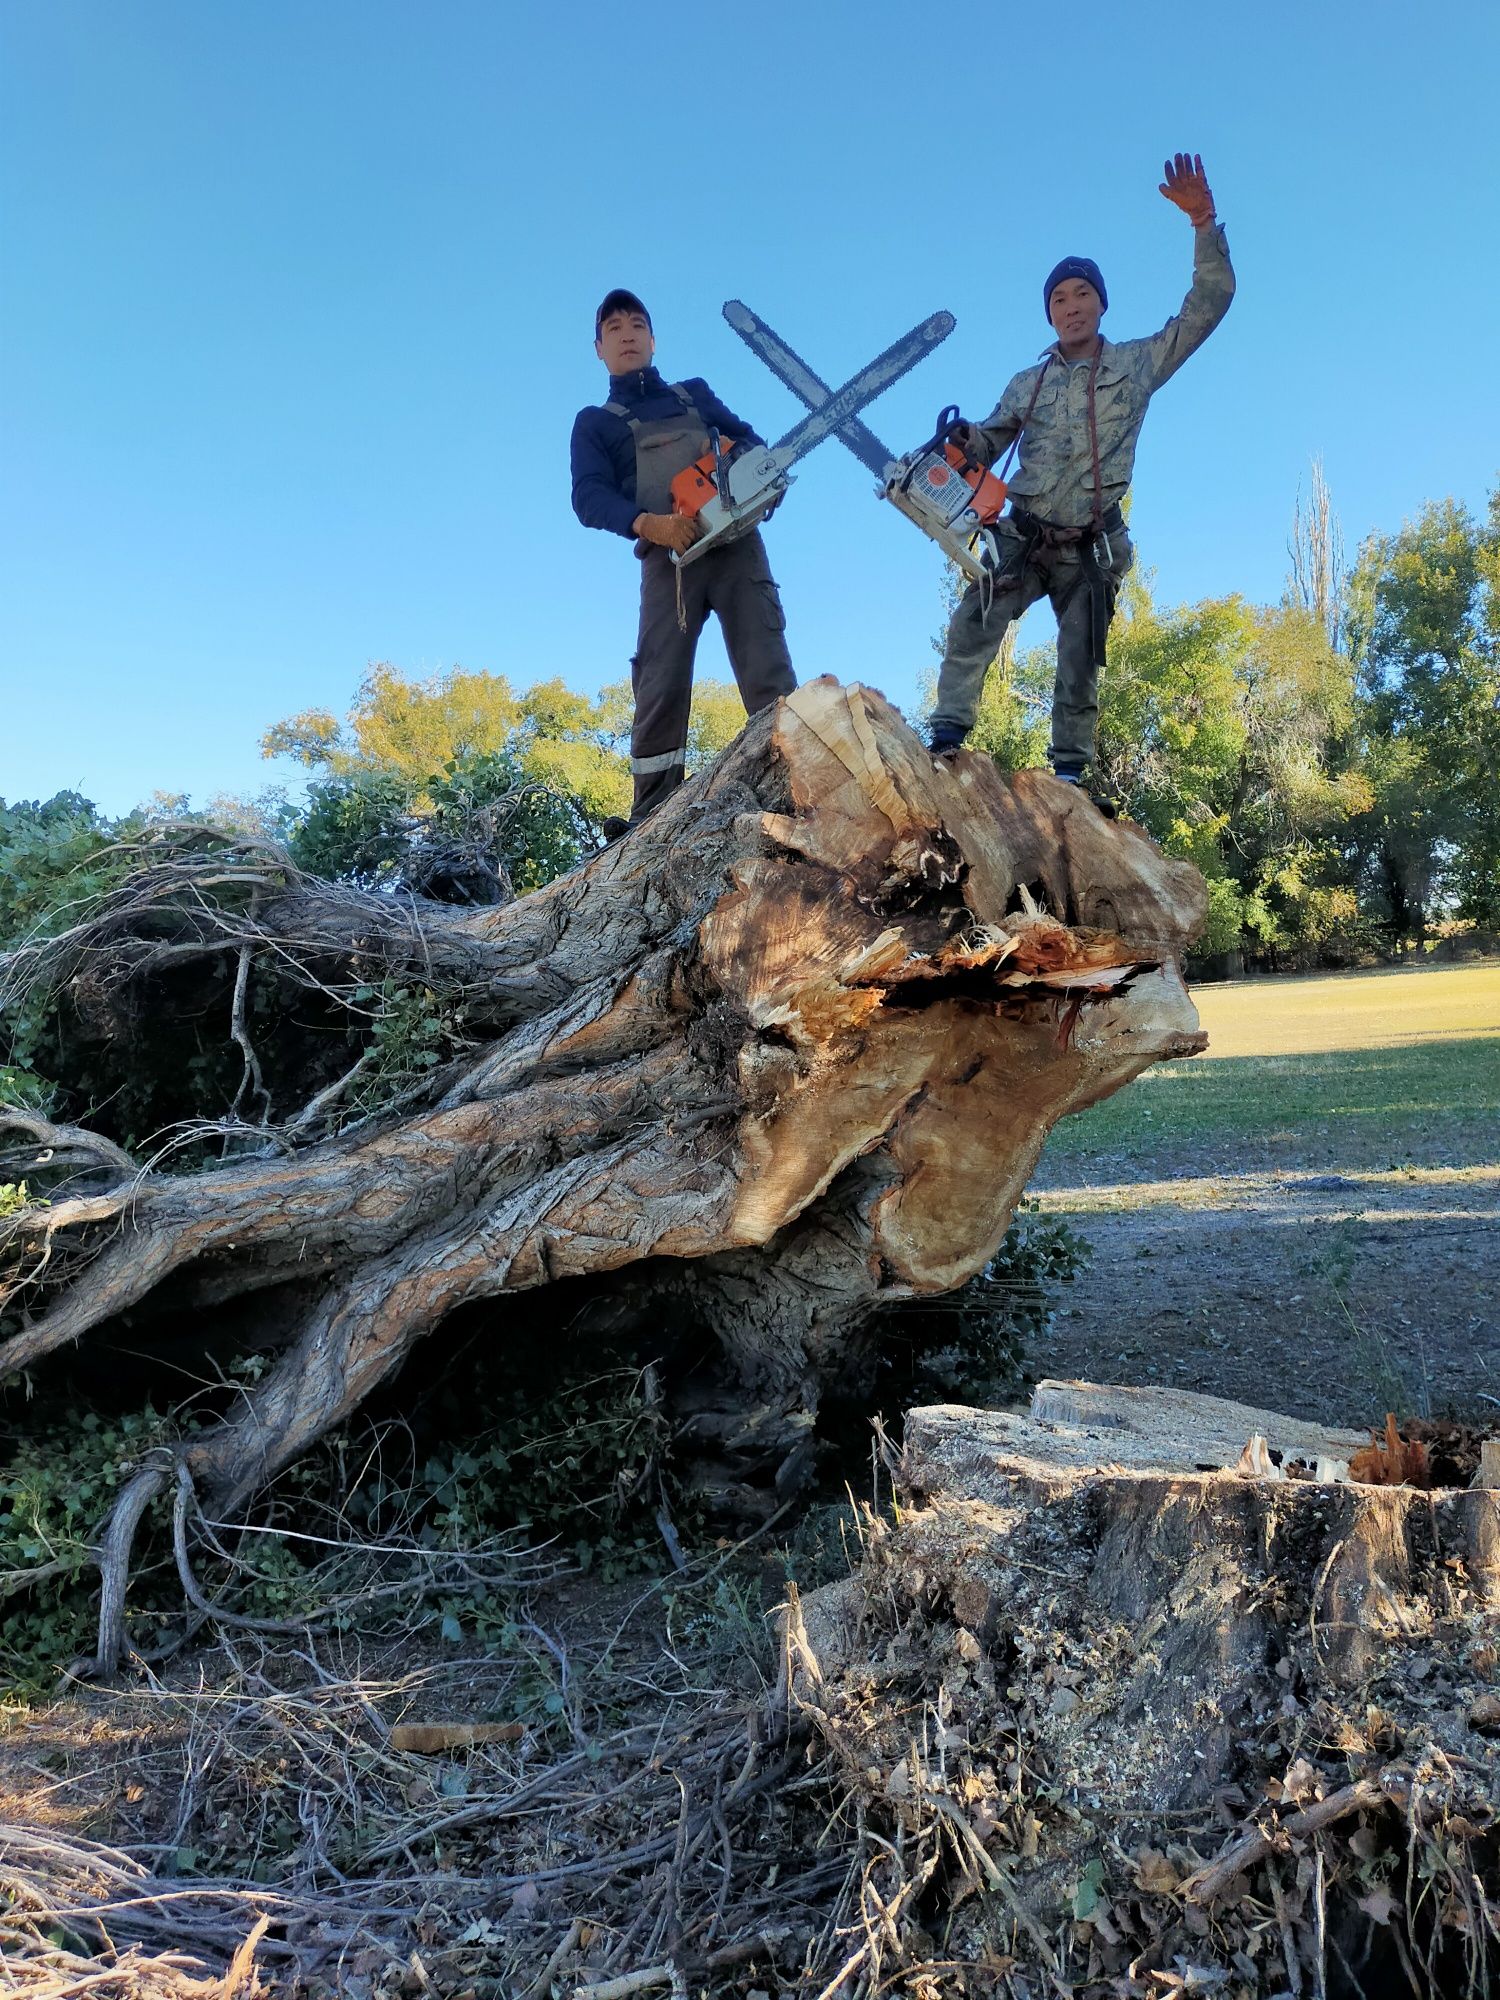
(786, 1053)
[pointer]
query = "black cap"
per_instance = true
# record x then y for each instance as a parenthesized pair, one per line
(620, 301)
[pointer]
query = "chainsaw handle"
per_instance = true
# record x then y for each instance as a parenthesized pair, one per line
(721, 465)
(948, 417)
(949, 422)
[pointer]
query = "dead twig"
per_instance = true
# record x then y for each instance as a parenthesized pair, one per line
(1210, 1882)
(631, 1982)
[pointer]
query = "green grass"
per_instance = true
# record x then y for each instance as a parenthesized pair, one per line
(1368, 1070)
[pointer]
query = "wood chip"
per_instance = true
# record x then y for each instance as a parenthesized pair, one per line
(431, 1739)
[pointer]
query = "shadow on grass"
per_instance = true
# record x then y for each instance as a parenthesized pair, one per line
(1442, 1097)
(1344, 1315)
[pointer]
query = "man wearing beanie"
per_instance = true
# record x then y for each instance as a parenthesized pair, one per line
(1069, 425)
(625, 457)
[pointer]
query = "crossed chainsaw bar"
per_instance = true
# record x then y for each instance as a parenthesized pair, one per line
(811, 391)
(729, 493)
(951, 500)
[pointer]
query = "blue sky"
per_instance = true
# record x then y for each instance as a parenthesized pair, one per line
(296, 310)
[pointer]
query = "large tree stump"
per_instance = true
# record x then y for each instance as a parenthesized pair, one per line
(1157, 1661)
(1206, 1520)
(785, 1053)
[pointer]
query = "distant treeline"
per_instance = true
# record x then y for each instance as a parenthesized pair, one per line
(1331, 763)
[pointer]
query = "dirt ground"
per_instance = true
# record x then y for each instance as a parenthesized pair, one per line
(1308, 1218)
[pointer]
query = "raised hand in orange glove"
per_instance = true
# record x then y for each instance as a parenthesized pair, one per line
(1186, 186)
(668, 531)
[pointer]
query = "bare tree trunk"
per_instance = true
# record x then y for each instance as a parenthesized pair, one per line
(789, 1051)
(1318, 577)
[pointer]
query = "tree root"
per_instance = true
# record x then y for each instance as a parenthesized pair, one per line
(64, 1149)
(114, 1560)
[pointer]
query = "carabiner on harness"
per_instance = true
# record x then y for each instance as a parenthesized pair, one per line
(984, 544)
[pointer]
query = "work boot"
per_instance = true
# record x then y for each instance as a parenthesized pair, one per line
(945, 741)
(1103, 794)
(614, 828)
(1099, 794)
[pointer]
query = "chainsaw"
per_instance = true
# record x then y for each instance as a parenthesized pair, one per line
(733, 487)
(938, 486)
(951, 497)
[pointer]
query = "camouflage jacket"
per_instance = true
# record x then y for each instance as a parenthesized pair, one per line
(1054, 475)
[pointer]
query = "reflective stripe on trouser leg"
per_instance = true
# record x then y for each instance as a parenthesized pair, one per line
(662, 676)
(655, 778)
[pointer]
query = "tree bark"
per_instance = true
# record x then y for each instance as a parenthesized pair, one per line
(788, 1051)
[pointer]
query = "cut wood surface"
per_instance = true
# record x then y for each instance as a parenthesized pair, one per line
(433, 1739)
(788, 1051)
(1090, 1427)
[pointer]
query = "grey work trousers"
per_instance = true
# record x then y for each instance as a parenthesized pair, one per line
(974, 639)
(736, 583)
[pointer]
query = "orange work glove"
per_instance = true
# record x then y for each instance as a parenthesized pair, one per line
(1187, 188)
(669, 531)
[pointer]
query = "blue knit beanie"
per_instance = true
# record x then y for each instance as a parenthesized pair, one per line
(1073, 267)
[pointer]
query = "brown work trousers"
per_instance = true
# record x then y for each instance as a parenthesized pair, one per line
(735, 582)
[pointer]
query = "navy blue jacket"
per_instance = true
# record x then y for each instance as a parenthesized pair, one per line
(603, 445)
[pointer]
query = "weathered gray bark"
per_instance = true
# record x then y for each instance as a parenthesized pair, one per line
(789, 1050)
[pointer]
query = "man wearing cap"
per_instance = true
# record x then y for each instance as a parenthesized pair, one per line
(625, 457)
(1071, 424)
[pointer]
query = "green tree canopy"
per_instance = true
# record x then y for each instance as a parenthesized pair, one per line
(1425, 631)
(402, 736)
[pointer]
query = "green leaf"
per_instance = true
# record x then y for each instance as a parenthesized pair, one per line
(1087, 1896)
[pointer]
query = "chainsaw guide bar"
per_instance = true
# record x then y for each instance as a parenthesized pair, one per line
(731, 490)
(954, 501)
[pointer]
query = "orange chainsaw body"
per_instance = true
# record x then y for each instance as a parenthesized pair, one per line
(696, 484)
(986, 492)
(952, 499)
